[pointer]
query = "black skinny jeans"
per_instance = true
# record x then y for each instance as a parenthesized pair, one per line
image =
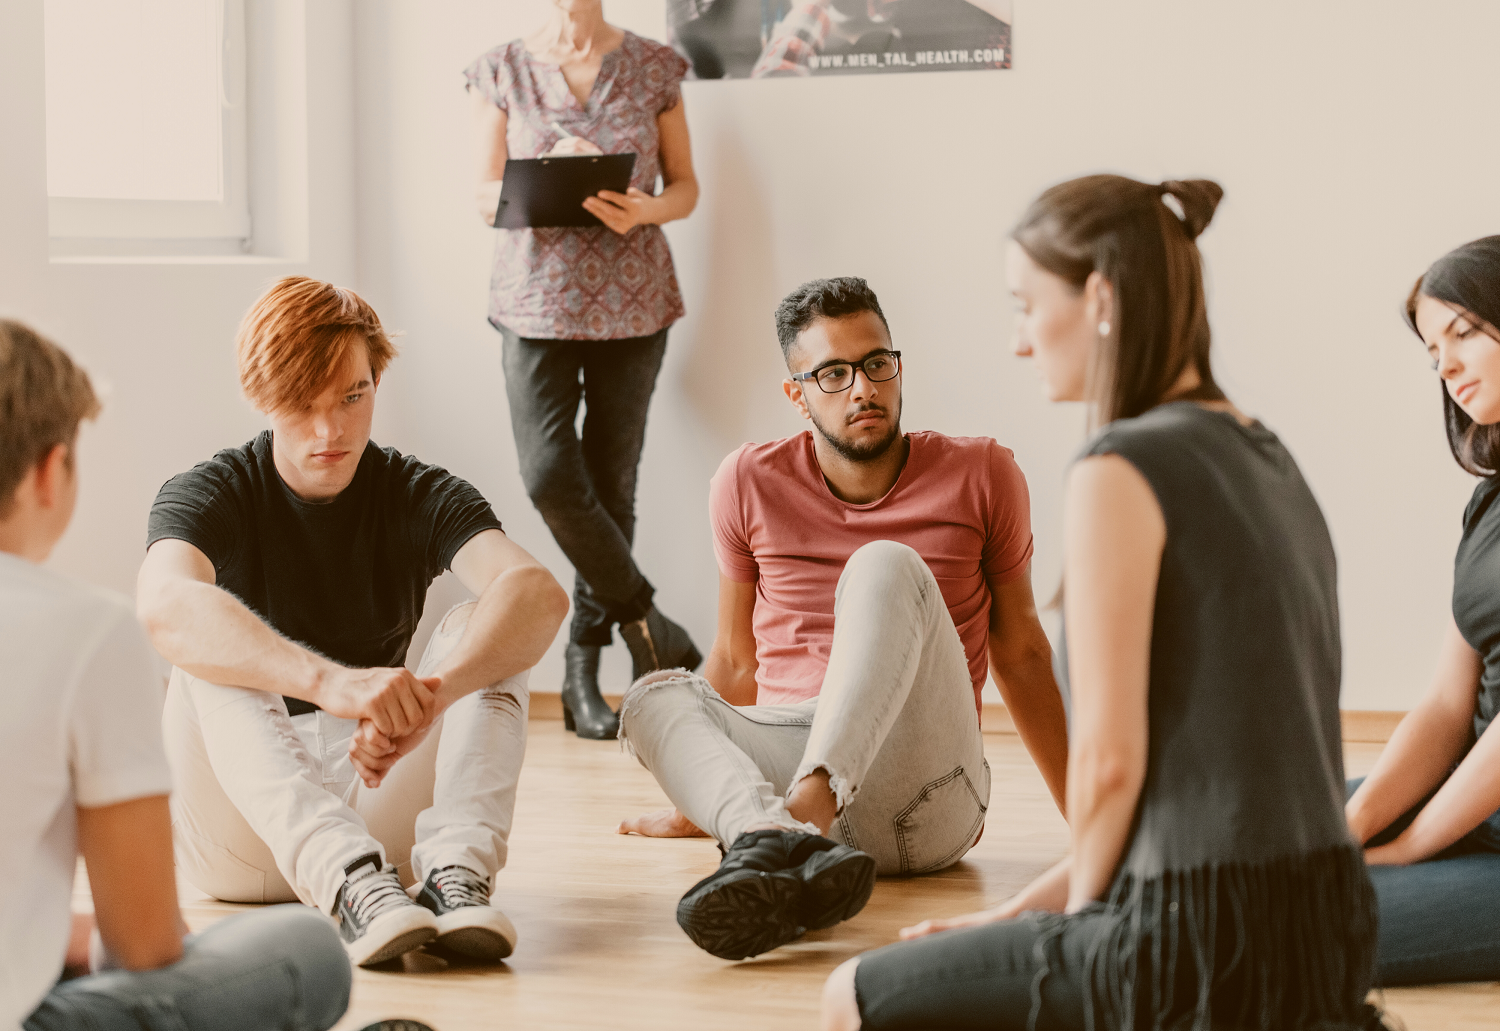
(585, 488)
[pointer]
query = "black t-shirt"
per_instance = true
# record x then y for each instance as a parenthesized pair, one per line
(346, 577)
(1476, 611)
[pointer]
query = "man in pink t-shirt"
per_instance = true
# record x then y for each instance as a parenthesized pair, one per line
(868, 580)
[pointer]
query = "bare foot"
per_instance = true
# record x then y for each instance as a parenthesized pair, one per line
(664, 823)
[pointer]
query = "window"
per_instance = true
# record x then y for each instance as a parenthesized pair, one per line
(146, 122)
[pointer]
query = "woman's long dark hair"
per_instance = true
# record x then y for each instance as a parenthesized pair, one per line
(1124, 230)
(1469, 279)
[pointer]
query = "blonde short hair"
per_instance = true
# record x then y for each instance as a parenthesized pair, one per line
(43, 398)
(298, 336)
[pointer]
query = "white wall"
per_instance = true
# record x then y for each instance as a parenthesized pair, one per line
(1354, 149)
(160, 335)
(1354, 144)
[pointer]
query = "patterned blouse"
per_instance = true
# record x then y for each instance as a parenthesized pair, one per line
(564, 283)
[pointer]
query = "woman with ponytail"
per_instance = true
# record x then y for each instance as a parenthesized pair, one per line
(1429, 812)
(1212, 882)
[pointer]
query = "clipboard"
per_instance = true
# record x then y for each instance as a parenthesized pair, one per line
(550, 191)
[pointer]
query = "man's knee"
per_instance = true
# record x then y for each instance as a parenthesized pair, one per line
(458, 617)
(888, 563)
(651, 700)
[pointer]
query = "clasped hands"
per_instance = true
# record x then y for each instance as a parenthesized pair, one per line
(395, 709)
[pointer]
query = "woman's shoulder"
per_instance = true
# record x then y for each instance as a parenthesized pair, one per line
(506, 55)
(1163, 427)
(648, 52)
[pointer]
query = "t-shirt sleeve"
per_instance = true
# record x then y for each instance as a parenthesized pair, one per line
(114, 719)
(490, 77)
(203, 507)
(1008, 542)
(726, 514)
(447, 513)
(669, 87)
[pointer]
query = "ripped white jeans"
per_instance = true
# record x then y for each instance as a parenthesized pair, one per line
(267, 807)
(894, 726)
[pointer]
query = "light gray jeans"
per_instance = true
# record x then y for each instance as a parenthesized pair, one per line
(279, 968)
(894, 726)
(268, 807)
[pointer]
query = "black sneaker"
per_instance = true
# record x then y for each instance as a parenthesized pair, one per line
(466, 922)
(770, 887)
(836, 881)
(377, 919)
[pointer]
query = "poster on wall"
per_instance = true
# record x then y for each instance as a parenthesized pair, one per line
(753, 39)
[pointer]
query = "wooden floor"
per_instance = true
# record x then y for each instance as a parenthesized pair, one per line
(599, 947)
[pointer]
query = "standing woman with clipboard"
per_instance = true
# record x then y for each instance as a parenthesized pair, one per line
(583, 313)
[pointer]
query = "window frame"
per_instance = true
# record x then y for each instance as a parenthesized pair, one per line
(223, 226)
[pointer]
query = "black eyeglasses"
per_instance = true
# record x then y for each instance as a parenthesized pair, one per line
(836, 377)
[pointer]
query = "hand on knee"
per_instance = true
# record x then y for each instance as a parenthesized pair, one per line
(840, 1006)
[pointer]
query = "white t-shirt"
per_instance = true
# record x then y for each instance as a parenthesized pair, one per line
(81, 726)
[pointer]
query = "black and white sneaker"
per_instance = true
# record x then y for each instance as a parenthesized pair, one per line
(771, 886)
(466, 922)
(377, 919)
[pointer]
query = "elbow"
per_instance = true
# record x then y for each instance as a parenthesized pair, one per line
(153, 608)
(1105, 773)
(547, 595)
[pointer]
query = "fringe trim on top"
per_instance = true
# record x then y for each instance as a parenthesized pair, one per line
(1285, 945)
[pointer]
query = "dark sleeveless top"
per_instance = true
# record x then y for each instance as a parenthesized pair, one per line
(1240, 885)
(1476, 611)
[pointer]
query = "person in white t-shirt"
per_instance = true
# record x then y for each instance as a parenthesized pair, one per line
(85, 772)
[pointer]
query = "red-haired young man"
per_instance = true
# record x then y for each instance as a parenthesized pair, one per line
(284, 580)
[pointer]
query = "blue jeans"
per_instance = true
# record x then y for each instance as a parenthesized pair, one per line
(1439, 919)
(282, 967)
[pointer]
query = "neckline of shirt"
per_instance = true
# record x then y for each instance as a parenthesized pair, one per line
(812, 457)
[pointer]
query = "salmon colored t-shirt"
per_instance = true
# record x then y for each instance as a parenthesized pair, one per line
(960, 502)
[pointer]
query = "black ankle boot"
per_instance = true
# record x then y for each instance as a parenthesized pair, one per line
(658, 643)
(584, 708)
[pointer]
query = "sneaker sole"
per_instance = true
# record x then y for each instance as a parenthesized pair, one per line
(835, 892)
(491, 938)
(736, 919)
(395, 935)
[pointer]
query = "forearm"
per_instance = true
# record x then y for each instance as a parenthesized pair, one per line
(210, 634)
(734, 682)
(1048, 893)
(1469, 797)
(676, 200)
(512, 625)
(1102, 794)
(1034, 703)
(1419, 755)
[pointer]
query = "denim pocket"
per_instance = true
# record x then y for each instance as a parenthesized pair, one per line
(940, 824)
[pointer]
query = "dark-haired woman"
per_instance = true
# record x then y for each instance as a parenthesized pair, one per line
(1429, 812)
(1207, 886)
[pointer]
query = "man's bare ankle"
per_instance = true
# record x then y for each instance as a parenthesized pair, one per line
(812, 801)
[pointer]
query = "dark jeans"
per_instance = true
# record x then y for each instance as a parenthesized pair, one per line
(981, 977)
(1439, 919)
(282, 967)
(585, 488)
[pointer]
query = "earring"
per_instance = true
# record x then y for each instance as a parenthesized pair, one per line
(1104, 329)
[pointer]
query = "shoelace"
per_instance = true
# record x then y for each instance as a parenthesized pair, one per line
(459, 887)
(372, 900)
